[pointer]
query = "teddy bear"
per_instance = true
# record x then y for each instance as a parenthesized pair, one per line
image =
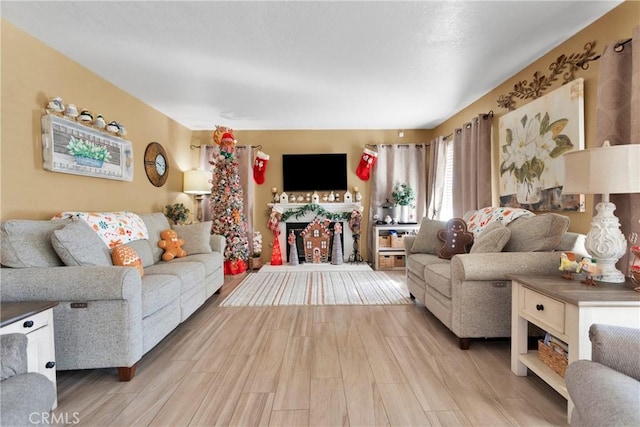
(172, 245)
(456, 238)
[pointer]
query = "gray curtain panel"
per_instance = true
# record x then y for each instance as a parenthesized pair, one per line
(618, 120)
(472, 165)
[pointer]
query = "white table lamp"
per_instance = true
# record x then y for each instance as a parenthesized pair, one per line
(604, 170)
(197, 182)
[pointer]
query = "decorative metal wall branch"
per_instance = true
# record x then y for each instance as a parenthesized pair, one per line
(540, 82)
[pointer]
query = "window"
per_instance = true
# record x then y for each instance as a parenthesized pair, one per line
(446, 211)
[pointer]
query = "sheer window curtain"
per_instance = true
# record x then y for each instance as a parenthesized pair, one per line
(472, 165)
(618, 120)
(244, 154)
(436, 178)
(397, 163)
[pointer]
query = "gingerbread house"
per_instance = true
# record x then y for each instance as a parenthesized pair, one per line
(316, 237)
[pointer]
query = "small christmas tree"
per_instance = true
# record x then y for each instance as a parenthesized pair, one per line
(336, 253)
(227, 203)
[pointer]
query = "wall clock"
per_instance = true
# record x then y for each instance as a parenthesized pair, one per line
(156, 164)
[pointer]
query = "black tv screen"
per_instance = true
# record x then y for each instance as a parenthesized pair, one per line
(309, 172)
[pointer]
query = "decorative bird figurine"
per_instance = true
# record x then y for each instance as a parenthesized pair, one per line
(99, 122)
(55, 105)
(71, 111)
(85, 116)
(113, 127)
(568, 265)
(589, 266)
(121, 130)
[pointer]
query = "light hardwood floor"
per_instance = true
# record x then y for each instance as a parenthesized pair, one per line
(312, 366)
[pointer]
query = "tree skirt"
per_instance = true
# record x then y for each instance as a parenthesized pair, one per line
(317, 288)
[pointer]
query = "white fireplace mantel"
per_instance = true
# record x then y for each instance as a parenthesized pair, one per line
(310, 216)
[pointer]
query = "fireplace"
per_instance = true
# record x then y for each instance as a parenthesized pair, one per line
(297, 227)
(307, 217)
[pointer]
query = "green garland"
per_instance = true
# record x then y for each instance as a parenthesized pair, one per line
(318, 210)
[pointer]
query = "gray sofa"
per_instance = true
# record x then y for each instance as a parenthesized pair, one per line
(108, 316)
(606, 389)
(26, 397)
(470, 293)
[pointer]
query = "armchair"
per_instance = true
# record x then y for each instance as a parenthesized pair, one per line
(606, 389)
(26, 397)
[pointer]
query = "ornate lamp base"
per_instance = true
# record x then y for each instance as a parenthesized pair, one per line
(606, 243)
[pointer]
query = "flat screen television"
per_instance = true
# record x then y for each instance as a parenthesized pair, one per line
(309, 172)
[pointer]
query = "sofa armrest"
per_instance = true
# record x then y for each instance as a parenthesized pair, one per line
(83, 283)
(218, 243)
(616, 347)
(408, 243)
(496, 266)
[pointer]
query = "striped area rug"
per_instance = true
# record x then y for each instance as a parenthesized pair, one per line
(317, 288)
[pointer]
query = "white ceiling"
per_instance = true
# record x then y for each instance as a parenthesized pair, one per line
(305, 64)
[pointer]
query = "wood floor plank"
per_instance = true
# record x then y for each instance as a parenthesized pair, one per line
(325, 362)
(105, 409)
(294, 418)
(383, 363)
(362, 396)
(145, 406)
(253, 333)
(401, 405)
(295, 375)
(387, 324)
(179, 410)
(253, 409)
(328, 406)
(447, 419)
(263, 378)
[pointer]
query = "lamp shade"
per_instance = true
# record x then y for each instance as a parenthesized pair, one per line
(603, 170)
(196, 181)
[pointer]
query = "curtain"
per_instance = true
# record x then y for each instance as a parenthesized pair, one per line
(472, 165)
(436, 178)
(618, 120)
(397, 163)
(244, 154)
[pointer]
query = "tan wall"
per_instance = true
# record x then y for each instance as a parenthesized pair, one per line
(614, 26)
(276, 143)
(32, 73)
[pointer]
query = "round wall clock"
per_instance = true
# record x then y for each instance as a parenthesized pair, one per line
(156, 164)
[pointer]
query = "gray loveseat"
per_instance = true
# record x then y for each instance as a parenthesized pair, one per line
(108, 316)
(470, 293)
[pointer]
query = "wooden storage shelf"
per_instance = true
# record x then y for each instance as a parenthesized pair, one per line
(389, 246)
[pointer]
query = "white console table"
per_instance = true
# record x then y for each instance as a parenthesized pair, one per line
(566, 309)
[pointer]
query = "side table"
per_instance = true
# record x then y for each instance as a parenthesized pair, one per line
(35, 319)
(566, 309)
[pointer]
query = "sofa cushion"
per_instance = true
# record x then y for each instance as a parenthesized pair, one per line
(212, 262)
(426, 242)
(493, 238)
(156, 223)
(485, 216)
(191, 274)
(143, 249)
(537, 233)
(27, 243)
(416, 263)
(78, 244)
(196, 237)
(158, 290)
(126, 256)
(438, 276)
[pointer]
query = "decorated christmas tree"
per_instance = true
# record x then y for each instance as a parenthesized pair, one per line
(227, 203)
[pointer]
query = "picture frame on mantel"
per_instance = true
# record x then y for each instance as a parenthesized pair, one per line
(532, 140)
(71, 147)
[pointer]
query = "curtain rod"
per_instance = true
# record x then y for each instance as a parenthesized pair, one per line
(193, 147)
(484, 116)
(618, 47)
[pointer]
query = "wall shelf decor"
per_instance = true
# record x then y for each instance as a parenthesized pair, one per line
(71, 147)
(564, 64)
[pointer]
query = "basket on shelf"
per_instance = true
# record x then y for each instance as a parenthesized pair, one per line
(550, 357)
(384, 241)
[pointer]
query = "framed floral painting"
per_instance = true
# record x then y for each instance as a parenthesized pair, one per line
(532, 140)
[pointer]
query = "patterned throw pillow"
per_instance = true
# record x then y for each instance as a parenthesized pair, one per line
(485, 216)
(126, 256)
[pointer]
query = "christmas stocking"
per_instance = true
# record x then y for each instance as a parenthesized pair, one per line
(259, 166)
(367, 161)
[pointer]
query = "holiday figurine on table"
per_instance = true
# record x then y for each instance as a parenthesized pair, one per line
(568, 265)
(589, 266)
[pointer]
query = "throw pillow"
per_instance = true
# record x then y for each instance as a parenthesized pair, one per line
(126, 256)
(156, 223)
(493, 239)
(172, 245)
(78, 244)
(143, 249)
(426, 242)
(537, 233)
(485, 216)
(455, 237)
(196, 237)
(27, 243)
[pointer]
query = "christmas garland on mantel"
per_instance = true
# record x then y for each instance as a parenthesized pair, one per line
(318, 210)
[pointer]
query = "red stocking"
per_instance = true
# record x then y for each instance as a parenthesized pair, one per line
(259, 166)
(367, 161)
